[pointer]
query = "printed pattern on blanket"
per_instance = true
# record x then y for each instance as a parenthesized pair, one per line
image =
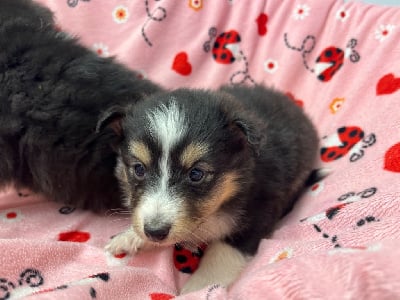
(339, 61)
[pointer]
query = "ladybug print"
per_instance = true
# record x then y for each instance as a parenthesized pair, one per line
(352, 196)
(350, 139)
(187, 261)
(344, 200)
(330, 213)
(345, 139)
(159, 14)
(329, 61)
(225, 49)
(332, 238)
(31, 281)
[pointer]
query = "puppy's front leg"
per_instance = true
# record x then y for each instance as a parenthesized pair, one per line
(221, 264)
(127, 242)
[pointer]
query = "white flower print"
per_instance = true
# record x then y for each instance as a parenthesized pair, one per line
(11, 216)
(270, 66)
(342, 14)
(281, 255)
(316, 188)
(383, 32)
(301, 11)
(101, 49)
(120, 14)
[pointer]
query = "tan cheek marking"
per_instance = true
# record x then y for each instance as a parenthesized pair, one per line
(224, 190)
(140, 151)
(185, 224)
(120, 172)
(192, 153)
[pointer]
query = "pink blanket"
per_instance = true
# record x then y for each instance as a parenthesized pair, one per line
(339, 61)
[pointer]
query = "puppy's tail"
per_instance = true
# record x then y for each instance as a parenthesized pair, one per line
(317, 175)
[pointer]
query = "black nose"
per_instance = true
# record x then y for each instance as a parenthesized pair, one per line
(157, 234)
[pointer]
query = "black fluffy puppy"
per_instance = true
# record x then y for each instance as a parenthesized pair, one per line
(52, 91)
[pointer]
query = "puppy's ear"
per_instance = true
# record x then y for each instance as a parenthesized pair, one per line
(111, 118)
(253, 135)
(247, 134)
(246, 130)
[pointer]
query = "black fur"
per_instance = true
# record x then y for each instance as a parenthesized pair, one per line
(52, 91)
(255, 132)
(287, 155)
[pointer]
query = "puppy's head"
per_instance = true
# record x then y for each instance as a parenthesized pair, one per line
(183, 157)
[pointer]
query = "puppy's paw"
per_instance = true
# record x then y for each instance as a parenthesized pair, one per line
(125, 242)
(197, 283)
(220, 265)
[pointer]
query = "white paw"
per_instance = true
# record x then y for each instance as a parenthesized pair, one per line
(195, 284)
(220, 265)
(125, 242)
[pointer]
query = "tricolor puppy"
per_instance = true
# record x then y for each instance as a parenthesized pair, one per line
(219, 168)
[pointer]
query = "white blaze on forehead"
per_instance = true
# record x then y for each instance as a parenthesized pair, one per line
(167, 125)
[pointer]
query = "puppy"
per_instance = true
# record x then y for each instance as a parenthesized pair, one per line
(52, 92)
(220, 168)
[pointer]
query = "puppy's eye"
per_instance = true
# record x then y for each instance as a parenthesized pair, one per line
(196, 175)
(139, 170)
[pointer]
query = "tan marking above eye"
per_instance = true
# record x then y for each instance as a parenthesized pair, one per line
(193, 153)
(140, 151)
(226, 188)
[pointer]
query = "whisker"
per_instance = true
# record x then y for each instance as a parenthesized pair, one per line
(110, 213)
(191, 237)
(120, 219)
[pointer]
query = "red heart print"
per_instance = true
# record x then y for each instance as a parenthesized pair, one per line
(161, 296)
(392, 158)
(388, 84)
(262, 24)
(181, 64)
(74, 236)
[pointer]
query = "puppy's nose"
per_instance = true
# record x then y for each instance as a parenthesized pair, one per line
(157, 234)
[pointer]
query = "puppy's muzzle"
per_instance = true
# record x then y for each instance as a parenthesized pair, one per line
(157, 233)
